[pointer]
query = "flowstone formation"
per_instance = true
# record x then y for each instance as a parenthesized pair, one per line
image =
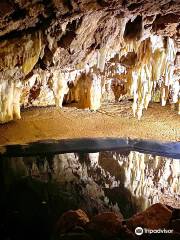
(87, 52)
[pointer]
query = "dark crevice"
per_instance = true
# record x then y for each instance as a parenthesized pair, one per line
(29, 75)
(42, 65)
(18, 14)
(102, 3)
(161, 21)
(47, 59)
(133, 29)
(66, 40)
(124, 3)
(134, 6)
(68, 4)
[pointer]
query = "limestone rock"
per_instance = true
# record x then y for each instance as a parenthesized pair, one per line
(155, 217)
(107, 224)
(71, 219)
(63, 38)
(23, 51)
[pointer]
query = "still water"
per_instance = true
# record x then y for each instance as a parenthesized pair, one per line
(36, 190)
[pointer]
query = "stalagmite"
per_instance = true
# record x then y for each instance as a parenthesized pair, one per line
(87, 91)
(59, 86)
(153, 67)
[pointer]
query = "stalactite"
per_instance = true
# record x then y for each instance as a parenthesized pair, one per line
(139, 66)
(101, 58)
(10, 93)
(23, 52)
(32, 52)
(152, 65)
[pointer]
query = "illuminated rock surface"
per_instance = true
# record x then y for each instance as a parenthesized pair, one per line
(87, 52)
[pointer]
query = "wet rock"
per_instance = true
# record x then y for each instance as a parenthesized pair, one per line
(71, 219)
(155, 217)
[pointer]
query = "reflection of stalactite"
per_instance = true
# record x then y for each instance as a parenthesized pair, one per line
(151, 177)
(132, 181)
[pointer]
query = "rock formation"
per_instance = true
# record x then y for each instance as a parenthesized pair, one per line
(71, 51)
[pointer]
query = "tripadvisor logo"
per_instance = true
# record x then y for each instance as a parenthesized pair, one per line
(139, 231)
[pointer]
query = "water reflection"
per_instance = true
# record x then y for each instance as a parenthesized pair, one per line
(126, 183)
(36, 190)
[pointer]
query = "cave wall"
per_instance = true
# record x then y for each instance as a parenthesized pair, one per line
(55, 52)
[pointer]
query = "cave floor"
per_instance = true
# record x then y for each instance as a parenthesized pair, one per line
(112, 120)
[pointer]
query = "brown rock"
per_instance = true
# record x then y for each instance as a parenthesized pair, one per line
(107, 224)
(71, 219)
(154, 217)
(166, 24)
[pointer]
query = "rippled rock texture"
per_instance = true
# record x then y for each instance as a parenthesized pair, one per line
(55, 52)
